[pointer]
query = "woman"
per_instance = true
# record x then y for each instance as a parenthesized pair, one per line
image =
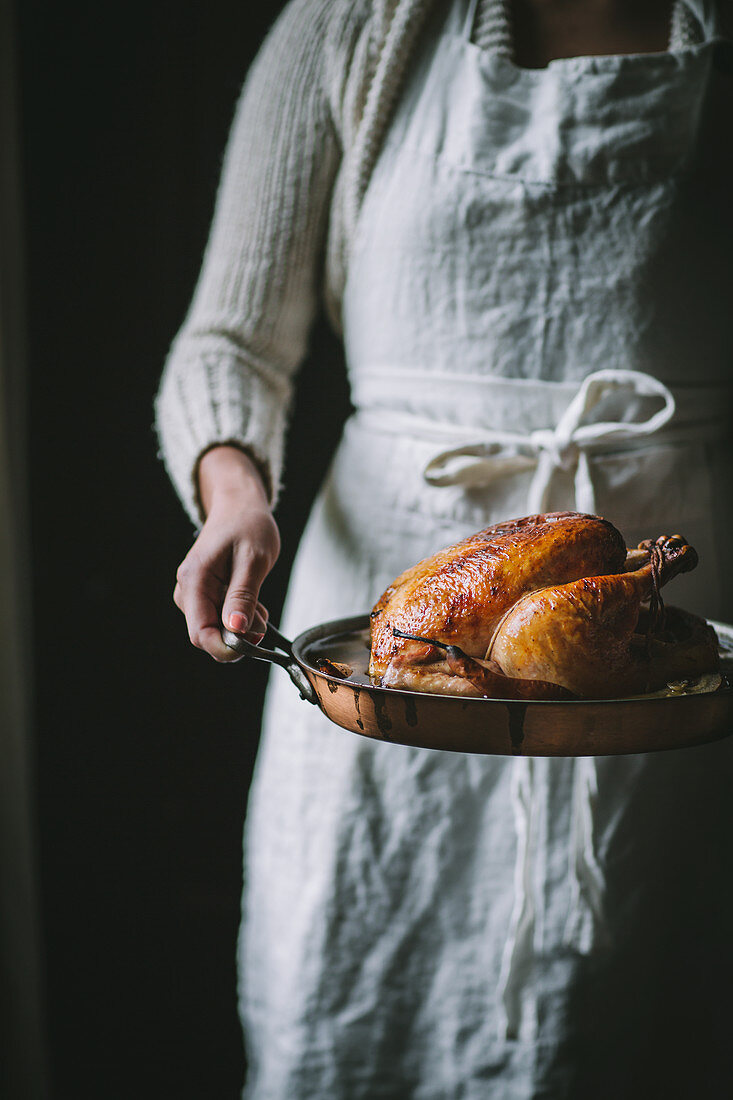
(514, 227)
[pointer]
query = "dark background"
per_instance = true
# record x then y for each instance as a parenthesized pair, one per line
(144, 747)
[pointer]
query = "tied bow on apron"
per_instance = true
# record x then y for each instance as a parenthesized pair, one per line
(566, 447)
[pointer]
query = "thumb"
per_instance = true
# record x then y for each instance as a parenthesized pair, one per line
(240, 603)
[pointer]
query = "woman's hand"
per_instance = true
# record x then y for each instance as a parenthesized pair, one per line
(219, 579)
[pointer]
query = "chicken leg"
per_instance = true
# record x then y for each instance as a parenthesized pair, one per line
(584, 635)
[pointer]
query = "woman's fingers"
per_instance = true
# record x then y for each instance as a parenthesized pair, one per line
(219, 580)
(257, 627)
(242, 612)
(198, 595)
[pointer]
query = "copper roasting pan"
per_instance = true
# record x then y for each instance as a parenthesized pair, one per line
(693, 714)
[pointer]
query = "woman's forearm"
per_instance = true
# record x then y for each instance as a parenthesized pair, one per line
(227, 473)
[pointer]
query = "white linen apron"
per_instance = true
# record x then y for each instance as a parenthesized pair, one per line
(537, 317)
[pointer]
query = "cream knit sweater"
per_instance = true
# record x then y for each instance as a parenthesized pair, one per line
(306, 134)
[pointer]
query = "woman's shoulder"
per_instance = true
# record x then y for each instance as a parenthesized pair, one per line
(336, 45)
(321, 40)
(337, 26)
(327, 23)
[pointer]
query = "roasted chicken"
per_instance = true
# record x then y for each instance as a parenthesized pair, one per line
(546, 607)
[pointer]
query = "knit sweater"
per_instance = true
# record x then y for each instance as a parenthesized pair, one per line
(306, 134)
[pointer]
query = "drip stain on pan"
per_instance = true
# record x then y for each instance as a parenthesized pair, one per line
(516, 713)
(357, 707)
(383, 720)
(410, 711)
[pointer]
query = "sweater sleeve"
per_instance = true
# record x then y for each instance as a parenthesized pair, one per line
(228, 377)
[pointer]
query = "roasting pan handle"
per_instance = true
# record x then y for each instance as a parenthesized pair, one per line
(286, 660)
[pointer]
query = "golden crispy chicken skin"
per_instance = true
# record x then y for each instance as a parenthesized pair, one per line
(460, 594)
(548, 606)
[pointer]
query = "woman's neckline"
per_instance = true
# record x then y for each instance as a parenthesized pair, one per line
(493, 30)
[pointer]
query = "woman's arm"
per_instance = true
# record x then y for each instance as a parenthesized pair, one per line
(228, 377)
(227, 384)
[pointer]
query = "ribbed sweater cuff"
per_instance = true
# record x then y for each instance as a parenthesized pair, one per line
(217, 400)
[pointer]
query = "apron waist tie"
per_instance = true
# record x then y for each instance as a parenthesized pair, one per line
(517, 957)
(565, 447)
(585, 925)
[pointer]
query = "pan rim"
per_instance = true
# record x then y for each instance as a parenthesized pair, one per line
(353, 624)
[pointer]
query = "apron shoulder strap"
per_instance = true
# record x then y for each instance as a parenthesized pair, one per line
(489, 25)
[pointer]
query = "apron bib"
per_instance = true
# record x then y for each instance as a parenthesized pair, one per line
(538, 302)
(537, 317)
